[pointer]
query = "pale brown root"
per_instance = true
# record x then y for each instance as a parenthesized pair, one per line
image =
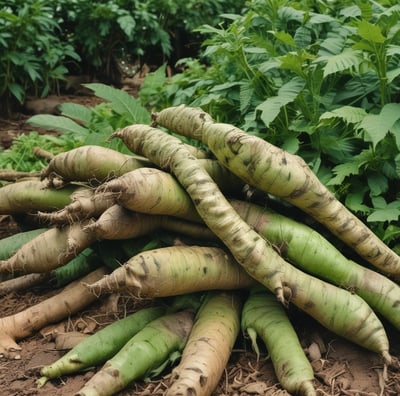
(91, 163)
(198, 152)
(12, 176)
(85, 204)
(248, 247)
(42, 153)
(120, 223)
(70, 300)
(22, 282)
(208, 347)
(193, 268)
(152, 191)
(49, 250)
(188, 228)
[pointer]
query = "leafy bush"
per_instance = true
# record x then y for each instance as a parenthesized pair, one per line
(105, 32)
(39, 40)
(32, 56)
(320, 80)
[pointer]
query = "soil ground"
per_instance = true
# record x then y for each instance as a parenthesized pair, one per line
(341, 368)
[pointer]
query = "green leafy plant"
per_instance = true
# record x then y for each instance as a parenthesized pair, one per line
(32, 57)
(21, 156)
(76, 126)
(108, 33)
(94, 125)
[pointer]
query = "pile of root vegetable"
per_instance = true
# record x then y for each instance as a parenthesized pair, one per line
(183, 225)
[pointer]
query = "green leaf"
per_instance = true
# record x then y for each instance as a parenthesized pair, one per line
(286, 94)
(392, 232)
(378, 184)
(379, 202)
(57, 123)
(382, 215)
(295, 61)
(352, 11)
(246, 95)
(392, 74)
(349, 114)
(77, 112)
(346, 60)
(303, 37)
(369, 32)
(121, 102)
(17, 91)
(395, 129)
(331, 46)
(342, 171)
(127, 25)
(376, 126)
(285, 38)
(354, 201)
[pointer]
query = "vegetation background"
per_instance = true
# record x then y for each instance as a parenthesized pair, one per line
(319, 78)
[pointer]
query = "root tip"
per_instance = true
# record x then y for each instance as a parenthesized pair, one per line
(387, 358)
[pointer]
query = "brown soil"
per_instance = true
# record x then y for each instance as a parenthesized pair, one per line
(341, 368)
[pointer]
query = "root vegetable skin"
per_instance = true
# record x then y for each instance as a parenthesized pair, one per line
(11, 244)
(120, 223)
(49, 250)
(311, 252)
(263, 316)
(135, 190)
(91, 164)
(151, 191)
(102, 345)
(33, 195)
(209, 346)
(84, 205)
(192, 268)
(282, 174)
(70, 300)
(144, 352)
(336, 309)
(22, 283)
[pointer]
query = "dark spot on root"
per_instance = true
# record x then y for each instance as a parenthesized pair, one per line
(203, 381)
(191, 392)
(194, 369)
(144, 265)
(309, 305)
(205, 270)
(396, 304)
(114, 373)
(289, 292)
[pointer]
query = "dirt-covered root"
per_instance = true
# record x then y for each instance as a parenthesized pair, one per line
(70, 300)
